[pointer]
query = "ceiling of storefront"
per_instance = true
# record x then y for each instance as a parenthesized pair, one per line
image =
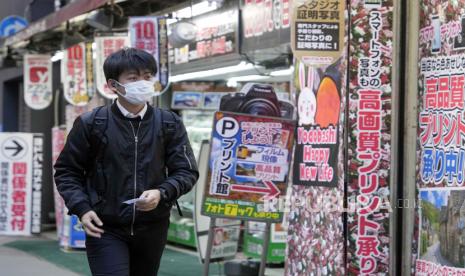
(79, 29)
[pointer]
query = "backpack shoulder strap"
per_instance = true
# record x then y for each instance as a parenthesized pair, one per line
(169, 121)
(169, 125)
(96, 122)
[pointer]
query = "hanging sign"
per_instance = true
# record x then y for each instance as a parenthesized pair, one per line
(74, 75)
(214, 39)
(149, 33)
(21, 156)
(317, 32)
(105, 46)
(249, 164)
(37, 81)
(265, 24)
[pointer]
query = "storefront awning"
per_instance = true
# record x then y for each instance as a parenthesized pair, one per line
(53, 20)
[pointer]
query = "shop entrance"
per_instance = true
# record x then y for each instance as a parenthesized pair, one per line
(10, 107)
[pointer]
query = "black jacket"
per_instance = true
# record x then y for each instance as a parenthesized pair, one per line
(124, 171)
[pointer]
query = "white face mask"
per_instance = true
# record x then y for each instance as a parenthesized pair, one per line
(138, 92)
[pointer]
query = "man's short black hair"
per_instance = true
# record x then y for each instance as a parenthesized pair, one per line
(128, 59)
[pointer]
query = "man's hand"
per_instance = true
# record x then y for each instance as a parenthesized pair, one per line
(150, 201)
(89, 221)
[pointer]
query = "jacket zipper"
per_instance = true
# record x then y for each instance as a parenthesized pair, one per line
(185, 154)
(136, 141)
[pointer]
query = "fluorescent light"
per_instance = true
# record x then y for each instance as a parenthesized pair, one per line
(214, 72)
(285, 72)
(94, 50)
(232, 82)
(249, 78)
(57, 56)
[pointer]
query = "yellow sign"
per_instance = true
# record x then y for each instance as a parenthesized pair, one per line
(317, 31)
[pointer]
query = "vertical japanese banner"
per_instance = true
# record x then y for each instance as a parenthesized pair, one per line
(90, 70)
(105, 46)
(20, 183)
(315, 236)
(37, 170)
(58, 142)
(149, 33)
(369, 137)
(248, 167)
(74, 75)
(439, 242)
(37, 81)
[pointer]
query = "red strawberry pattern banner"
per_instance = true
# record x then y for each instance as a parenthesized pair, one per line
(315, 240)
(439, 221)
(369, 127)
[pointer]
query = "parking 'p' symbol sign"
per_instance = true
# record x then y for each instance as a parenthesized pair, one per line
(227, 127)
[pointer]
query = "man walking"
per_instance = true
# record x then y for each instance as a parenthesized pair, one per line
(122, 168)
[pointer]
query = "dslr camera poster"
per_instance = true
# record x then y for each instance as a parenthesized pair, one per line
(249, 165)
(439, 241)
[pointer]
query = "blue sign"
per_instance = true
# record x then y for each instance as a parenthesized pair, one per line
(12, 24)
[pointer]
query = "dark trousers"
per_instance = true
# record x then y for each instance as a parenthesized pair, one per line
(117, 253)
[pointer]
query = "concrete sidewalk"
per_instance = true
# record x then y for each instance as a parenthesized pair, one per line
(17, 263)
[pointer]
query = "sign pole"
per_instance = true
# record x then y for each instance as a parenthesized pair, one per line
(209, 246)
(266, 243)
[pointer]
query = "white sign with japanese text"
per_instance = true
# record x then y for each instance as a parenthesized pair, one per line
(143, 34)
(106, 45)
(21, 156)
(74, 75)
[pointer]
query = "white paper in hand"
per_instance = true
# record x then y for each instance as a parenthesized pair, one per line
(134, 200)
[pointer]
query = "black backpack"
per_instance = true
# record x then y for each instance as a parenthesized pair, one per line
(97, 124)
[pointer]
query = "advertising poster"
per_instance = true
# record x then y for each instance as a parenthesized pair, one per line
(315, 217)
(186, 100)
(216, 35)
(265, 23)
(58, 142)
(439, 241)
(317, 31)
(315, 234)
(369, 137)
(74, 75)
(318, 139)
(38, 81)
(226, 236)
(106, 45)
(249, 164)
(149, 33)
(21, 156)
(211, 100)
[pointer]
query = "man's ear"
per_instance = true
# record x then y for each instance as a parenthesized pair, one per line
(115, 87)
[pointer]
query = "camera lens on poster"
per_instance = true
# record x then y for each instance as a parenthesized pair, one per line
(257, 99)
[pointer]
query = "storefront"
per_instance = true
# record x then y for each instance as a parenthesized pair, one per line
(378, 92)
